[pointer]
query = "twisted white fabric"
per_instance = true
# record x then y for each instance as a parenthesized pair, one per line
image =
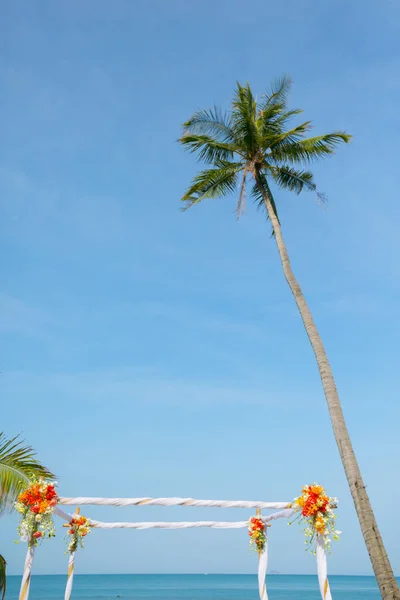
(286, 513)
(26, 577)
(170, 525)
(322, 569)
(262, 571)
(175, 502)
(71, 566)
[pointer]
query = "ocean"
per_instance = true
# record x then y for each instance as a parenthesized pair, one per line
(193, 587)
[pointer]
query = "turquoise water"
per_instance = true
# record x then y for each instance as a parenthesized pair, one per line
(193, 587)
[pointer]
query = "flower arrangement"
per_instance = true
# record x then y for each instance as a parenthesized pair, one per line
(257, 529)
(36, 504)
(317, 515)
(79, 527)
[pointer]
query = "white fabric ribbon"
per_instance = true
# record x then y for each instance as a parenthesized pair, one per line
(26, 577)
(262, 571)
(71, 566)
(322, 568)
(174, 502)
(282, 514)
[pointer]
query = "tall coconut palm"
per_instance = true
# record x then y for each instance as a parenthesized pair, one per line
(254, 144)
(18, 466)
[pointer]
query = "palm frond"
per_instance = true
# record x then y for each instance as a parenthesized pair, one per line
(309, 149)
(278, 93)
(276, 120)
(213, 183)
(212, 122)
(292, 179)
(268, 120)
(17, 466)
(3, 578)
(207, 148)
(288, 137)
(244, 117)
(272, 108)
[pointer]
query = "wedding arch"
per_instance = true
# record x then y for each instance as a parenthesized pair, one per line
(40, 501)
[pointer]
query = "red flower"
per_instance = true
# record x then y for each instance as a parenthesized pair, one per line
(50, 492)
(37, 534)
(257, 524)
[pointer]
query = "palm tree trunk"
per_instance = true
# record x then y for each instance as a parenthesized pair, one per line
(388, 586)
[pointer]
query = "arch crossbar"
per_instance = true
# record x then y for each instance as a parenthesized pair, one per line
(174, 502)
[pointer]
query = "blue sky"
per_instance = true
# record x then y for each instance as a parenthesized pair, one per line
(150, 352)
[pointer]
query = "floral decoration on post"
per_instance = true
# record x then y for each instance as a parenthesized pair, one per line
(257, 532)
(36, 504)
(317, 516)
(79, 527)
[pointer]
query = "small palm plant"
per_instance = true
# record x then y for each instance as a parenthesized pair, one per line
(18, 466)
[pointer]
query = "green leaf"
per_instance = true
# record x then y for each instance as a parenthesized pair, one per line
(18, 466)
(211, 122)
(207, 149)
(292, 179)
(278, 92)
(244, 117)
(213, 183)
(289, 137)
(307, 150)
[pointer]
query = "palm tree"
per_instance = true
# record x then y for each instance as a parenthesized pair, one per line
(254, 140)
(18, 466)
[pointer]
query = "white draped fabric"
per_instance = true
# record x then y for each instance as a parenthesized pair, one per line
(282, 514)
(70, 579)
(262, 571)
(322, 569)
(174, 502)
(26, 577)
